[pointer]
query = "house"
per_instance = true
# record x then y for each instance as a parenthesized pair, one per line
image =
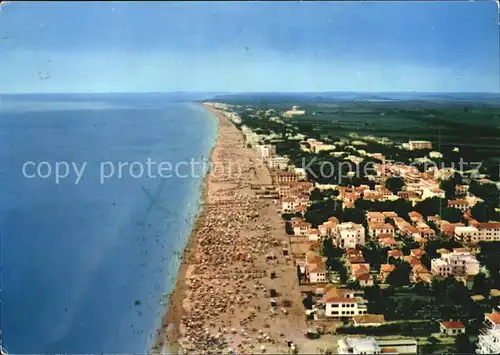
(411, 231)
(396, 254)
(419, 273)
(451, 328)
(361, 272)
(375, 217)
(462, 205)
(301, 229)
(460, 262)
(313, 235)
(354, 256)
(315, 269)
(302, 209)
(327, 229)
(375, 229)
(385, 271)
(428, 233)
(365, 280)
(418, 145)
(349, 235)
(368, 320)
(288, 205)
(489, 337)
(387, 241)
(415, 216)
(417, 253)
(340, 303)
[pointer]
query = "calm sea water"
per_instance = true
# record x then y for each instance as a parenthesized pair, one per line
(85, 266)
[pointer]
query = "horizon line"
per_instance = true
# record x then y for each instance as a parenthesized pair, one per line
(247, 92)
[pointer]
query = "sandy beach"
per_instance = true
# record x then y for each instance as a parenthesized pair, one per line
(232, 263)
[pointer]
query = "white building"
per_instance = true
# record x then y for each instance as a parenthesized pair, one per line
(370, 345)
(489, 337)
(315, 269)
(349, 235)
(295, 112)
(288, 205)
(416, 145)
(435, 155)
(340, 303)
(301, 229)
(328, 228)
(277, 162)
(489, 231)
(314, 235)
(467, 234)
(457, 263)
(266, 151)
(301, 173)
(486, 232)
(376, 229)
(358, 346)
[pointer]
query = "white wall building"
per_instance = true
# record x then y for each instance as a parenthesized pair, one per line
(486, 232)
(370, 345)
(489, 337)
(266, 150)
(415, 145)
(315, 269)
(457, 263)
(349, 235)
(277, 162)
(340, 303)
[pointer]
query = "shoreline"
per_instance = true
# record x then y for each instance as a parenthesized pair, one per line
(168, 334)
(232, 261)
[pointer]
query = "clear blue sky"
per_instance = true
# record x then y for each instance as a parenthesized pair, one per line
(237, 47)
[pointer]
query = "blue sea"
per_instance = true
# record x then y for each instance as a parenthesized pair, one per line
(87, 262)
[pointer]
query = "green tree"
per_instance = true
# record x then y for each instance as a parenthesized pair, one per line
(488, 192)
(431, 206)
(452, 215)
(316, 195)
(481, 285)
(400, 276)
(484, 212)
(353, 215)
(450, 184)
(463, 344)
(394, 184)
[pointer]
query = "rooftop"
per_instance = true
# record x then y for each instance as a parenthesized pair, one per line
(493, 317)
(452, 324)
